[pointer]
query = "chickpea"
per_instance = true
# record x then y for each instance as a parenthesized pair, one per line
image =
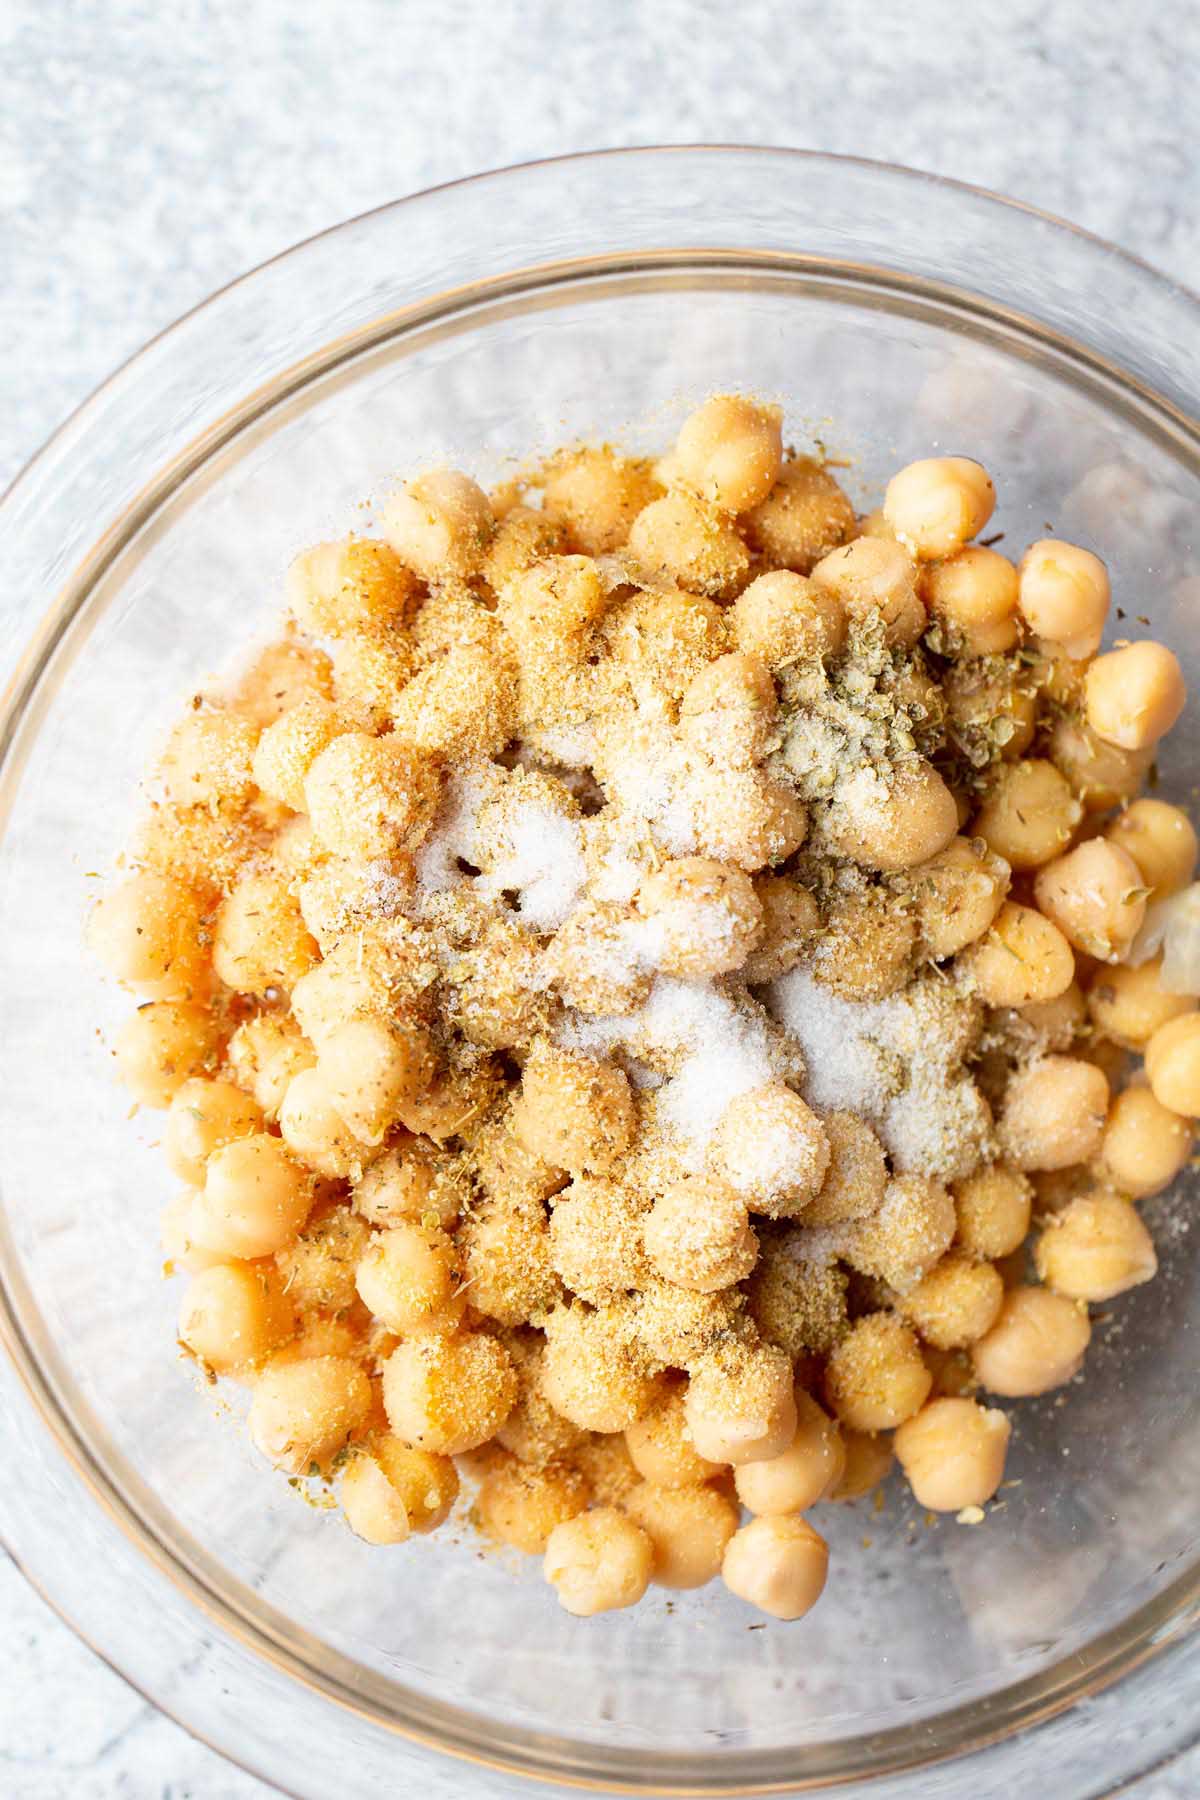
(1129, 1004)
(730, 450)
(265, 1053)
(412, 1181)
(865, 952)
(462, 705)
(209, 759)
(448, 1392)
(957, 894)
(1134, 695)
(596, 1238)
(1024, 958)
(1094, 894)
(174, 1230)
(535, 1434)
(1096, 1248)
(406, 1275)
(782, 618)
(370, 1068)
(974, 594)
(254, 1201)
(392, 1490)
(150, 933)
(261, 943)
(359, 584)
(791, 921)
(935, 505)
(597, 496)
(554, 604)
(748, 818)
(203, 1115)
(740, 1406)
(900, 1242)
(279, 677)
(370, 797)
(957, 1302)
(598, 1562)
(234, 1315)
(953, 1453)
(574, 1112)
(868, 1459)
(591, 1374)
(691, 544)
(606, 1466)
(896, 824)
(688, 1530)
(522, 1507)
(874, 578)
(368, 674)
(1102, 774)
(457, 1103)
(1173, 1065)
(440, 524)
(876, 1377)
(1054, 1112)
(778, 1565)
(1029, 813)
(991, 710)
(994, 1208)
(771, 1149)
(729, 709)
(857, 1176)
(807, 1471)
(660, 1445)
(315, 1132)
(1036, 1344)
(523, 536)
(804, 516)
(161, 1046)
(1063, 594)
(1144, 1146)
(698, 1235)
(288, 748)
(304, 1412)
(705, 917)
(1162, 842)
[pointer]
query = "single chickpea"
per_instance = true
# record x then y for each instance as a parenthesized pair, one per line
(596, 1238)
(304, 1412)
(521, 1506)
(314, 1130)
(935, 505)
(953, 1453)
(1095, 895)
(359, 584)
(728, 710)
(1053, 1113)
(1047, 1024)
(1022, 959)
(990, 709)
(857, 1176)
(1096, 1248)
(902, 1241)
(747, 817)
(1036, 1344)
(994, 1208)
(1063, 594)
(440, 524)
(866, 950)
(892, 824)
(597, 495)
(319, 1267)
(369, 797)
(508, 1260)
(957, 1302)
(391, 1491)
(1029, 813)
(523, 536)
(234, 1315)
(554, 603)
(688, 542)
(688, 1530)
(957, 894)
(1162, 842)
(406, 1274)
(174, 1230)
(872, 577)
(1173, 1065)
(368, 674)
(868, 1459)
(807, 1471)
(778, 1565)
(279, 677)
(1134, 695)
(804, 516)
(730, 450)
(150, 933)
(288, 748)
(591, 1375)
(1102, 774)
(161, 1046)
(457, 1104)
(791, 922)
(463, 705)
(448, 1392)
(209, 759)
(535, 1434)
(704, 915)
(370, 1067)
(660, 1445)
(1144, 1146)
(1129, 1004)
(698, 1235)
(254, 1201)
(598, 1562)
(771, 1149)
(876, 1377)
(203, 1115)
(260, 941)
(782, 618)
(974, 594)
(740, 1406)
(412, 1181)
(573, 1111)
(265, 1053)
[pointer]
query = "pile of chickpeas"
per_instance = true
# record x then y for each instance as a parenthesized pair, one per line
(439, 1237)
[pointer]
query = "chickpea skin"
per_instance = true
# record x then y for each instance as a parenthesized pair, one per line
(806, 1472)
(254, 1201)
(148, 932)
(876, 1377)
(688, 1530)
(698, 1235)
(953, 1453)
(234, 1315)
(598, 1562)
(1134, 695)
(1095, 1248)
(1036, 1344)
(778, 1565)
(1162, 842)
(1173, 1065)
(1096, 897)
(935, 505)
(391, 1491)
(1144, 1145)
(1054, 1113)
(730, 450)
(1063, 595)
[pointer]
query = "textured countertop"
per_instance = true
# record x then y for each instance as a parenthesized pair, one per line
(149, 154)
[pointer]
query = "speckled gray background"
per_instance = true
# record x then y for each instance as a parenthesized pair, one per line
(149, 153)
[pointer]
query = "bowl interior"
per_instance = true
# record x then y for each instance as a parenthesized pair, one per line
(920, 1617)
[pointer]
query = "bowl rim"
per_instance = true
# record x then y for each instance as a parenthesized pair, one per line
(14, 698)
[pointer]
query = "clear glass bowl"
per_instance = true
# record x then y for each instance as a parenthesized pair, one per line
(893, 314)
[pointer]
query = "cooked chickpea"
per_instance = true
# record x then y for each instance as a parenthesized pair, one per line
(1173, 1065)
(804, 516)
(1144, 1146)
(448, 1392)
(874, 578)
(771, 1149)
(778, 1565)
(304, 1412)
(369, 797)
(265, 1053)
(260, 942)
(1028, 814)
(1102, 774)
(661, 1448)
(896, 824)
(704, 915)
(740, 1406)
(597, 495)
(598, 1562)
(254, 1201)
(807, 1471)
(957, 894)
(606, 1466)
(990, 710)
(234, 1315)
(463, 705)
(1053, 1113)
(411, 1181)
(204, 1115)
(857, 1176)
(522, 1506)
(1129, 1004)
(150, 933)
(1095, 1248)
(358, 584)
(406, 1274)
(876, 1377)
(314, 1130)
(935, 505)
(1036, 1344)
(573, 1111)
(370, 1067)
(1023, 958)
(994, 1208)
(869, 1457)
(209, 759)
(1162, 842)
(954, 1304)
(974, 594)
(953, 1453)
(729, 709)
(161, 1046)
(174, 1230)
(690, 543)
(439, 524)
(391, 1490)
(698, 1235)
(1063, 595)
(591, 1374)
(1095, 895)
(900, 1242)
(1134, 695)
(730, 450)
(688, 1530)
(288, 748)
(782, 618)
(791, 921)
(279, 677)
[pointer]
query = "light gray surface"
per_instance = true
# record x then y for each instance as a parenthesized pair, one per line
(149, 154)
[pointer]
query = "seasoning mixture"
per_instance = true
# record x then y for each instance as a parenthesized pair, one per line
(623, 972)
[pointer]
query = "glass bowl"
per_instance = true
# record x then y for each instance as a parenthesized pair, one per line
(894, 315)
